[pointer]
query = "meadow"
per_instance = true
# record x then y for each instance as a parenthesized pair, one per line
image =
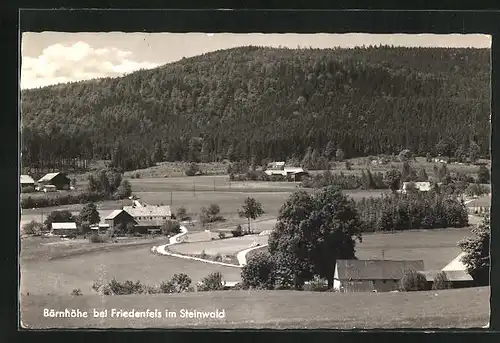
(274, 310)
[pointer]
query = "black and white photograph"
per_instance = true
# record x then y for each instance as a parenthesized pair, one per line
(254, 180)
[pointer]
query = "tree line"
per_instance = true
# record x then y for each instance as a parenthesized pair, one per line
(256, 103)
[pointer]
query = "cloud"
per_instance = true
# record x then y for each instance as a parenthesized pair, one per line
(61, 63)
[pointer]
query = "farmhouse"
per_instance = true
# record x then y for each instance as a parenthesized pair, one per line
(27, 180)
(421, 186)
(480, 205)
(371, 275)
(64, 229)
(59, 180)
(148, 217)
(291, 173)
(119, 218)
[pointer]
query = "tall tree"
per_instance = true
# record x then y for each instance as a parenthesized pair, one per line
(477, 252)
(312, 232)
(251, 210)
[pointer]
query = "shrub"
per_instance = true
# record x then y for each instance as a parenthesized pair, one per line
(413, 281)
(441, 281)
(193, 169)
(218, 257)
(76, 292)
(212, 282)
(178, 283)
(258, 272)
(483, 175)
(125, 288)
(238, 232)
(222, 235)
(204, 255)
(27, 189)
(181, 213)
(316, 285)
(32, 228)
(171, 227)
(97, 238)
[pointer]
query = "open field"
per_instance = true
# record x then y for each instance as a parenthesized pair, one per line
(60, 276)
(274, 310)
(135, 262)
(435, 247)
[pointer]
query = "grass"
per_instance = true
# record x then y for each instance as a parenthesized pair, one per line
(435, 247)
(273, 310)
(134, 262)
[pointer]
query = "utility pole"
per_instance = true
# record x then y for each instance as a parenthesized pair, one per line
(170, 198)
(194, 189)
(214, 185)
(383, 254)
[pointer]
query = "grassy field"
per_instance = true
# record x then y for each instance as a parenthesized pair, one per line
(273, 310)
(435, 247)
(136, 262)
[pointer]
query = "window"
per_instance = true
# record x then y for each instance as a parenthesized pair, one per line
(150, 218)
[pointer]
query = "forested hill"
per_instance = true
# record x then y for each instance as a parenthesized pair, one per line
(267, 103)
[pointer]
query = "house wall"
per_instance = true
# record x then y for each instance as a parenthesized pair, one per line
(62, 232)
(385, 285)
(61, 182)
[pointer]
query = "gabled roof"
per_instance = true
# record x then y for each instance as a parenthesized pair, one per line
(68, 225)
(49, 176)
(148, 211)
(113, 214)
(26, 179)
(375, 269)
(456, 263)
(451, 275)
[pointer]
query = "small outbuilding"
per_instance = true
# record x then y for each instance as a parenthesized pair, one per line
(59, 180)
(455, 278)
(371, 275)
(64, 229)
(100, 228)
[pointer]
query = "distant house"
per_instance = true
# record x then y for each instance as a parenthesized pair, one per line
(456, 278)
(59, 180)
(119, 217)
(371, 275)
(480, 205)
(26, 181)
(276, 165)
(100, 228)
(149, 218)
(64, 229)
(421, 186)
(291, 173)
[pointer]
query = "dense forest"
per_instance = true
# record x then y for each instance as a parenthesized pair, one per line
(255, 103)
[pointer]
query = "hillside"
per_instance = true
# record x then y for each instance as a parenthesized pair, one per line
(266, 103)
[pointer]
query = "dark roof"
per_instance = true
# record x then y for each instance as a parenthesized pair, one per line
(375, 269)
(451, 275)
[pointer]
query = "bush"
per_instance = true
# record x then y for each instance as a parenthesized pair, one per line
(413, 281)
(475, 189)
(316, 285)
(222, 235)
(192, 170)
(212, 282)
(181, 213)
(171, 227)
(178, 283)
(27, 189)
(76, 292)
(32, 228)
(441, 281)
(238, 232)
(258, 272)
(204, 255)
(126, 288)
(97, 238)
(218, 257)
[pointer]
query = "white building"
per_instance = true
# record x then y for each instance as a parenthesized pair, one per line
(421, 186)
(64, 229)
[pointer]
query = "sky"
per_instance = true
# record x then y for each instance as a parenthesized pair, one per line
(49, 58)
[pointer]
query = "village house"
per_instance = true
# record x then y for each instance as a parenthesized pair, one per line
(119, 218)
(149, 218)
(27, 181)
(371, 275)
(59, 180)
(420, 186)
(455, 278)
(291, 173)
(64, 229)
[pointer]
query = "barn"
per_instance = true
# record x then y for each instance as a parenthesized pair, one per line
(119, 218)
(371, 275)
(59, 180)
(64, 229)
(27, 181)
(455, 278)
